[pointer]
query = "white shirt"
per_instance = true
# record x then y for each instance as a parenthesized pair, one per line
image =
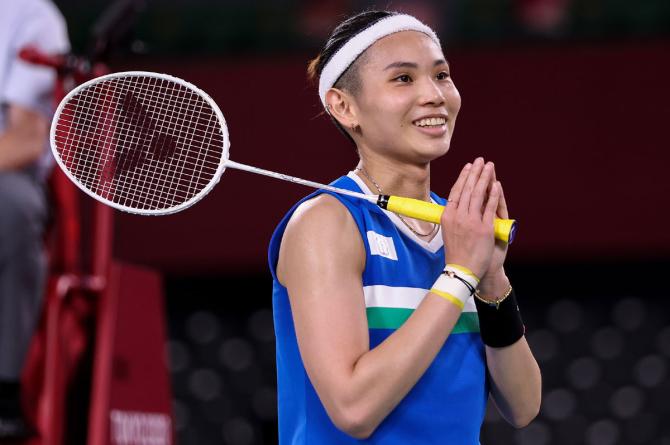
(36, 23)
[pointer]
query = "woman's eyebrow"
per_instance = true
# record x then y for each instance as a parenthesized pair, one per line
(401, 65)
(412, 64)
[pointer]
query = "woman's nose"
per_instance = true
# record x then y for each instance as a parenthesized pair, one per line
(431, 93)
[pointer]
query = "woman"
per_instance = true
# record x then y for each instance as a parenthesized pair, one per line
(375, 343)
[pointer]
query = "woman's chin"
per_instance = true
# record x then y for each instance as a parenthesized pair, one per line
(432, 150)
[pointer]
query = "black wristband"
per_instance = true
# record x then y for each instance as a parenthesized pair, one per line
(500, 326)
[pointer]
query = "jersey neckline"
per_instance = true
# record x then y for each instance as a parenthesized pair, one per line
(432, 246)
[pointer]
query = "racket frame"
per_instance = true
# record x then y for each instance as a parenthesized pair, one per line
(167, 211)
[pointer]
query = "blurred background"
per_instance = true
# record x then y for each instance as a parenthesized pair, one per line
(570, 99)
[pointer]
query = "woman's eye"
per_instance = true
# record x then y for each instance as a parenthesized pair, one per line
(404, 78)
(443, 75)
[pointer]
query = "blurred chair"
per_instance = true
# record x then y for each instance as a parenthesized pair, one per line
(96, 371)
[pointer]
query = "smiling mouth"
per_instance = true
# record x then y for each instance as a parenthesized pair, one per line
(430, 122)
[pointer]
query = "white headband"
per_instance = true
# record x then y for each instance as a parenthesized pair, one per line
(346, 55)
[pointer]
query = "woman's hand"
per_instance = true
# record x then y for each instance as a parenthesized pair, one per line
(494, 281)
(467, 220)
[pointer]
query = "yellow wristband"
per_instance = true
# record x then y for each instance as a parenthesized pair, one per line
(447, 296)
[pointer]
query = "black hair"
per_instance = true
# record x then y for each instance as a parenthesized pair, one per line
(349, 80)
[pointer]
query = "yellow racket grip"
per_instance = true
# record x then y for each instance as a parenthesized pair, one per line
(504, 229)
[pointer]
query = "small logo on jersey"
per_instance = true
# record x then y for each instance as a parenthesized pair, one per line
(382, 245)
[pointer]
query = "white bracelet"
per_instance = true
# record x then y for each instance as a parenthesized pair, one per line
(464, 273)
(451, 289)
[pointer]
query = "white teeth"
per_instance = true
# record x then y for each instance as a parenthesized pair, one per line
(430, 121)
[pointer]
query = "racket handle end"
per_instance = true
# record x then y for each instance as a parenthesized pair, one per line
(505, 229)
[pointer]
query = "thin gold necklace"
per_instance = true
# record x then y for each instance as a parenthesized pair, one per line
(381, 192)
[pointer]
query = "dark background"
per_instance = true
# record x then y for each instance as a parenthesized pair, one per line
(570, 99)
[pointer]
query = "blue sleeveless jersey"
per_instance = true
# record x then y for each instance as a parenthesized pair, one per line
(447, 404)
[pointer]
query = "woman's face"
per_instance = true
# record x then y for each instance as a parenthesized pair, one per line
(408, 102)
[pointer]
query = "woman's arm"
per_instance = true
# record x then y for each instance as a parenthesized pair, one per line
(516, 383)
(515, 376)
(321, 262)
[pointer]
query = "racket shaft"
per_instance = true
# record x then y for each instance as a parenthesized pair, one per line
(283, 177)
(428, 211)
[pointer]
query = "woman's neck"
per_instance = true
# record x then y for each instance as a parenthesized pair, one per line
(396, 178)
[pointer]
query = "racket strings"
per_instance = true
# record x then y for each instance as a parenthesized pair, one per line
(66, 113)
(85, 164)
(143, 124)
(140, 142)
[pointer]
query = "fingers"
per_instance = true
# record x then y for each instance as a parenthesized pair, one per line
(471, 191)
(457, 188)
(479, 193)
(502, 204)
(468, 187)
(502, 211)
(492, 204)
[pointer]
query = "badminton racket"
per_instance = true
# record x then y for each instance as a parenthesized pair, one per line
(154, 144)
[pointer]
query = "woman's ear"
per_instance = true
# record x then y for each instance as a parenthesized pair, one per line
(341, 106)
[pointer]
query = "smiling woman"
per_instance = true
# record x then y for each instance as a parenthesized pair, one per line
(387, 102)
(389, 329)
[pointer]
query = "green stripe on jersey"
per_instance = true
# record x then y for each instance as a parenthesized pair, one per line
(393, 318)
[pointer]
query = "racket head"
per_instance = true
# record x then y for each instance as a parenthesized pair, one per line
(141, 142)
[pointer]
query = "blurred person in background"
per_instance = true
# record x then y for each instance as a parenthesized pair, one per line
(26, 104)
(378, 338)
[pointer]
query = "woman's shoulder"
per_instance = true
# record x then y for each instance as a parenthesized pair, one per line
(323, 212)
(320, 231)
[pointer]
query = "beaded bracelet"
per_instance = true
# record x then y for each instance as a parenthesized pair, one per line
(495, 302)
